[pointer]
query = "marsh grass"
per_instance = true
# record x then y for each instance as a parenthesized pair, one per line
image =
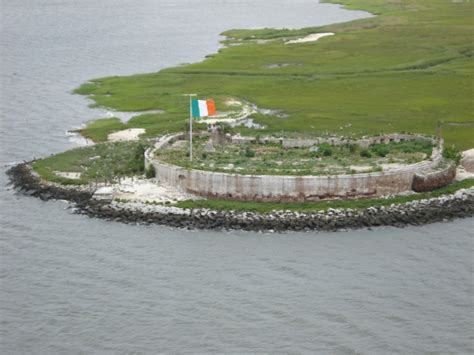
(403, 70)
(106, 162)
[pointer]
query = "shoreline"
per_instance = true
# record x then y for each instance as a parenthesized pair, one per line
(444, 208)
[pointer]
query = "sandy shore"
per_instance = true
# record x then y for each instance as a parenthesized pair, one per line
(148, 190)
(310, 38)
(131, 134)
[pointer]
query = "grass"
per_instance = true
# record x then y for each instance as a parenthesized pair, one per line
(404, 70)
(265, 207)
(104, 162)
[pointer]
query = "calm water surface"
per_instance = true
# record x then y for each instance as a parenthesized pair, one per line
(69, 284)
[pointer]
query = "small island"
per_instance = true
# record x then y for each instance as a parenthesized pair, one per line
(343, 126)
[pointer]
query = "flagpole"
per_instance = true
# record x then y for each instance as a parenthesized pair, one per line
(190, 126)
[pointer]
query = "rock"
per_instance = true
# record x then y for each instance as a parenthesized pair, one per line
(209, 147)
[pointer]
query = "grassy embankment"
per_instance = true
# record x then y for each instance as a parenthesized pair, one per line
(106, 162)
(401, 71)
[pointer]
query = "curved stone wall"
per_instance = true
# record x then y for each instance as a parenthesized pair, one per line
(430, 181)
(287, 188)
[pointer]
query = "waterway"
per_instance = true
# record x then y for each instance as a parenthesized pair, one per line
(70, 284)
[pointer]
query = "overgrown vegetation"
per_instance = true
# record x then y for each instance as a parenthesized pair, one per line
(452, 153)
(264, 207)
(150, 172)
(272, 159)
(403, 70)
(104, 163)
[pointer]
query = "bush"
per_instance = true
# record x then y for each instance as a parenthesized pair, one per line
(452, 153)
(249, 153)
(365, 153)
(327, 152)
(204, 155)
(150, 172)
(381, 150)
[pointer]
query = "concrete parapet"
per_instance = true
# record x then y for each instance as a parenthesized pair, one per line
(429, 181)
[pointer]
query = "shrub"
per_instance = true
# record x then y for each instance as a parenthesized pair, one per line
(365, 153)
(326, 151)
(381, 150)
(249, 153)
(204, 155)
(452, 153)
(150, 172)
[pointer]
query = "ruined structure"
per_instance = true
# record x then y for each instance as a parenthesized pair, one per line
(422, 176)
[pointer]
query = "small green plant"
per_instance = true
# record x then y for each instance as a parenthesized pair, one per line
(204, 155)
(381, 150)
(249, 153)
(452, 153)
(365, 153)
(327, 152)
(150, 172)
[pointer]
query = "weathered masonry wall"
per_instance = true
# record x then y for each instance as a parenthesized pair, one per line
(302, 143)
(287, 188)
(435, 179)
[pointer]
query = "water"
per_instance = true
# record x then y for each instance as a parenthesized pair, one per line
(72, 284)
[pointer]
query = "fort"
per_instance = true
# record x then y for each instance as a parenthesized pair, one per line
(428, 174)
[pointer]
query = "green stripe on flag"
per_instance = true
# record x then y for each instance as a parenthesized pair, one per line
(195, 108)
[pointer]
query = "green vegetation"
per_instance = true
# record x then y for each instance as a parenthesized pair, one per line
(273, 159)
(106, 162)
(264, 207)
(150, 172)
(403, 70)
(452, 153)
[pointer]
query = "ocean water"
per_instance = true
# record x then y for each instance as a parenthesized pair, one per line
(70, 284)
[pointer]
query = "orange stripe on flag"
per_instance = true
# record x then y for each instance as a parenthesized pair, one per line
(211, 107)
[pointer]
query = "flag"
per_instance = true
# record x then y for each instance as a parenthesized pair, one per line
(203, 108)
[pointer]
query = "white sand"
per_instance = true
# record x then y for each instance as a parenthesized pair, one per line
(68, 175)
(130, 134)
(149, 191)
(310, 38)
(391, 166)
(231, 118)
(233, 102)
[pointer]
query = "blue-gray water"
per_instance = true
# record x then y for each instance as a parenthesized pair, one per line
(69, 284)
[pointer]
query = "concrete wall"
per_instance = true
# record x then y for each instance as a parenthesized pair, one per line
(287, 188)
(430, 181)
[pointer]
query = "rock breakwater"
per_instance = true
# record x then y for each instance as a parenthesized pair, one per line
(443, 208)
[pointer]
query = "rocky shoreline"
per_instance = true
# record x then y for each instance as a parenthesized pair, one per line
(443, 208)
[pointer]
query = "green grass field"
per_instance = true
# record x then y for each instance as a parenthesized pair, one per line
(403, 70)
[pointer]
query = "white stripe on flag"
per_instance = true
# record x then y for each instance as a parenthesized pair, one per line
(202, 108)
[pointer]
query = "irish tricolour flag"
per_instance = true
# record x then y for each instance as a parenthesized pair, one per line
(203, 108)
